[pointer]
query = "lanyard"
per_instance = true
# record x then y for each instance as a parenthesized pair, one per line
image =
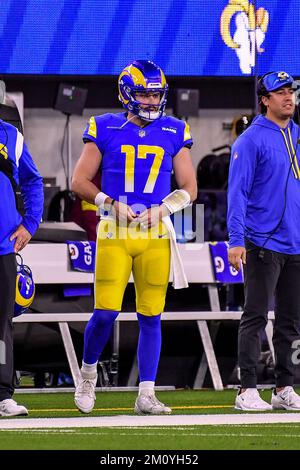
(293, 159)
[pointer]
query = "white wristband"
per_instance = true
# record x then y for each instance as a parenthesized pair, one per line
(177, 200)
(100, 199)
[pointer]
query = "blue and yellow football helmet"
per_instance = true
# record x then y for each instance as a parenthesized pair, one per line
(25, 288)
(142, 76)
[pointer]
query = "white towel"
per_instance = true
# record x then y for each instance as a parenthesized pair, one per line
(177, 269)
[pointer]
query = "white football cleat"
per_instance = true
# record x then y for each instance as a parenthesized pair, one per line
(85, 394)
(150, 405)
(287, 399)
(250, 400)
(9, 407)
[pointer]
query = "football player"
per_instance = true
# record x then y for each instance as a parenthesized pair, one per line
(136, 150)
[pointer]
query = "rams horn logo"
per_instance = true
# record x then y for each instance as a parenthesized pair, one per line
(261, 19)
(282, 75)
(251, 27)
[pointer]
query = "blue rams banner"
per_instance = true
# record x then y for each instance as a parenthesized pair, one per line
(82, 255)
(224, 272)
(184, 37)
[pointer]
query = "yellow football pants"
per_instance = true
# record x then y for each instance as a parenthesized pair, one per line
(122, 250)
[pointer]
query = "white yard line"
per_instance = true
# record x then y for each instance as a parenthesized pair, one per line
(129, 433)
(138, 421)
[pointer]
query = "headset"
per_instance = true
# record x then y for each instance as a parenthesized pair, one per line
(25, 287)
(261, 87)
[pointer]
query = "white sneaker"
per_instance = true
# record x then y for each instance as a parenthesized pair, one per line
(150, 405)
(250, 400)
(85, 394)
(287, 399)
(9, 407)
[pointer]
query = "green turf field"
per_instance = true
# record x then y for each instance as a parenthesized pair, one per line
(264, 436)
(114, 403)
(253, 437)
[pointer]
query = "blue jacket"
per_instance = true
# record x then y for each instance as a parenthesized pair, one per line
(14, 150)
(260, 175)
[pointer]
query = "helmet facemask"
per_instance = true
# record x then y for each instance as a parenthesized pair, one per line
(151, 111)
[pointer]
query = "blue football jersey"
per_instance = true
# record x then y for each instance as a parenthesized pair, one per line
(136, 163)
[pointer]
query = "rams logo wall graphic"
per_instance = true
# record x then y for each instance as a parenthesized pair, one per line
(73, 250)
(223, 271)
(219, 264)
(250, 30)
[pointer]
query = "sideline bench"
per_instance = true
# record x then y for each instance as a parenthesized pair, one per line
(50, 264)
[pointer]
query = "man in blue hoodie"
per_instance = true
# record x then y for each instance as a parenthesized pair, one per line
(16, 168)
(264, 234)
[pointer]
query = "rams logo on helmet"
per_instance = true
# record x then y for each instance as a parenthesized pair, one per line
(25, 288)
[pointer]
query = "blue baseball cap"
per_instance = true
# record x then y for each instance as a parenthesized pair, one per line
(273, 81)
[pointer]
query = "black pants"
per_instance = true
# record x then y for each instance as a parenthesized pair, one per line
(7, 301)
(274, 274)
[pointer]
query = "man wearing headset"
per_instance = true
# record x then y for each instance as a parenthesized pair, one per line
(137, 150)
(264, 234)
(16, 168)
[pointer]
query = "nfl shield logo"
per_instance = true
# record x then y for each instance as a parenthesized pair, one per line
(142, 133)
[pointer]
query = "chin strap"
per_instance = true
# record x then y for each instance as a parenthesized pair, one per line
(149, 115)
(177, 200)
